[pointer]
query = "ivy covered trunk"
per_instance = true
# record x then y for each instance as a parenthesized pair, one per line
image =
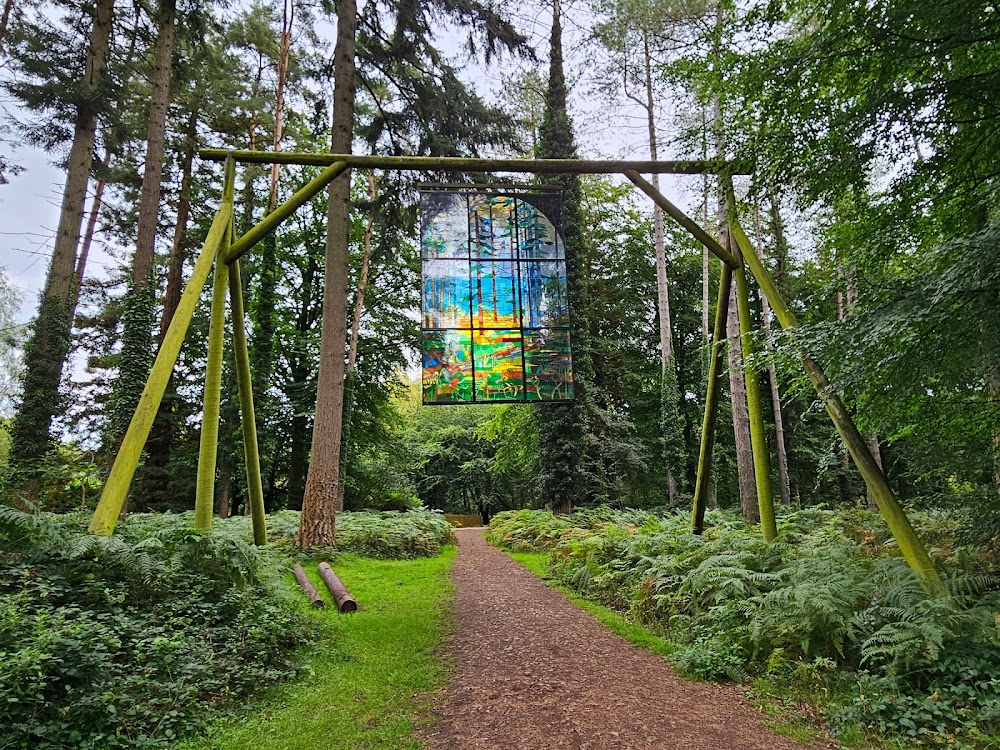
(47, 349)
(562, 427)
(323, 493)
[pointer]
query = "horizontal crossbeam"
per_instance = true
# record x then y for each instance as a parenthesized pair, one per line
(461, 164)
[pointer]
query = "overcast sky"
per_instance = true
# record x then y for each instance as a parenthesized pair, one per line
(29, 205)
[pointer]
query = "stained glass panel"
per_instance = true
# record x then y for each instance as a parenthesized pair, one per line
(444, 231)
(543, 293)
(495, 310)
(548, 365)
(447, 367)
(494, 294)
(446, 294)
(499, 365)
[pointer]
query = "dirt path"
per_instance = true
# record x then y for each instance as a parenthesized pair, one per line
(535, 672)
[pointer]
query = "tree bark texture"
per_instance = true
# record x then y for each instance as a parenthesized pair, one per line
(46, 351)
(323, 495)
(303, 580)
(140, 301)
(149, 198)
(741, 416)
(662, 289)
(88, 235)
(779, 430)
(341, 596)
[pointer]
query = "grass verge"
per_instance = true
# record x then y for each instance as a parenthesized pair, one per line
(537, 563)
(779, 717)
(371, 671)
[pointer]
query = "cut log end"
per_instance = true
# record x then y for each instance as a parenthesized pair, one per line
(306, 584)
(341, 596)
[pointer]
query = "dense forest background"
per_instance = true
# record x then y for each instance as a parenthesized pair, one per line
(871, 131)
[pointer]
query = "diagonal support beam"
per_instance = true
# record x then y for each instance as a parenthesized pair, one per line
(895, 517)
(270, 222)
(127, 461)
(715, 370)
(683, 219)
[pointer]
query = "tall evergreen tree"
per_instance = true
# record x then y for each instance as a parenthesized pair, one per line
(562, 427)
(48, 347)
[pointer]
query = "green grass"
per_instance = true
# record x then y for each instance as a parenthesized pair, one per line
(537, 563)
(373, 671)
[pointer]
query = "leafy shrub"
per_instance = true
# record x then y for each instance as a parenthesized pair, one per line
(827, 609)
(131, 641)
(384, 534)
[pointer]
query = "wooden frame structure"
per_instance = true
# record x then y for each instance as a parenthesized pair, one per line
(224, 250)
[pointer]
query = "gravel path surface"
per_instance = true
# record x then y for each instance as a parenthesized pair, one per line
(533, 671)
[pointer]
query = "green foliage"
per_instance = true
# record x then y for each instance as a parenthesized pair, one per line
(828, 609)
(44, 354)
(370, 676)
(133, 640)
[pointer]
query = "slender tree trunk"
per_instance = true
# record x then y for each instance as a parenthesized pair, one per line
(741, 415)
(8, 6)
(48, 347)
(178, 249)
(359, 297)
(706, 332)
(772, 375)
(737, 385)
(155, 484)
(140, 302)
(323, 494)
(994, 397)
(88, 235)
(667, 372)
(870, 438)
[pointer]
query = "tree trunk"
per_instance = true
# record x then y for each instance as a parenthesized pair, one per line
(737, 385)
(88, 235)
(994, 398)
(178, 249)
(706, 332)
(263, 313)
(323, 494)
(871, 439)
(46, 351)
(155, 477)
(772, 375)
(149, 198)
(669, 423)
(140, 303)
(741, 415)
(8, 6)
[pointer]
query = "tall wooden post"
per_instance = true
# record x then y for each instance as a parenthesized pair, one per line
(895, 517)
(715, 370)
(248, 419)
(209, 449)
(116, 487)
(758, 439)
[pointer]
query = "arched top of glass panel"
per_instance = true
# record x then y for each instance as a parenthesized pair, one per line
(496, 226)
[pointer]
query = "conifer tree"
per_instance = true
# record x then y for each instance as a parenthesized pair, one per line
(562, 427)
(48, 347)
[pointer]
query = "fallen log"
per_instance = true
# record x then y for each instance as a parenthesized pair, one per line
(306, 584)
(341, 596)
